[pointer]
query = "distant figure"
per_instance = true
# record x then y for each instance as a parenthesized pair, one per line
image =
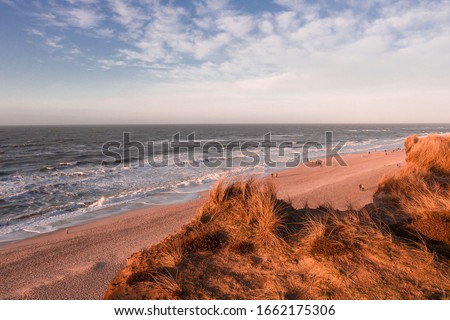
(271, 175)
(319, 163)
(362, 187)
(67, 230)
(276, 175)
(369, 152)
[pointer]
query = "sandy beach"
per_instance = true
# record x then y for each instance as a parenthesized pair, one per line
(337, 185)
(80, 265)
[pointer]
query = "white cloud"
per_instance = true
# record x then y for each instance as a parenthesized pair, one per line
(82, 1)
(74, 52)
(287, 20)
(52, 42)
(76, 17)
(266, 26)
(163, 39)
(108, 64)
(104, 32)
(237, 26)
(35, 32)
(295, 5)
(83, 18)
(127, 15)
(206, 47)
(8, 2)
(204, 7)
(308, 11)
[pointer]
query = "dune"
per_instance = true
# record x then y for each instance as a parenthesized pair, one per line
(249, 241)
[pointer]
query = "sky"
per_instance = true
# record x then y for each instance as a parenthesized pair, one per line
(224, 61)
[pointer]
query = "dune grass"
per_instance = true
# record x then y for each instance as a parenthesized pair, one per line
(419, 193)
(245, 243)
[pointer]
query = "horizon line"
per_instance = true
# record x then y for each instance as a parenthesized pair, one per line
(225, 123)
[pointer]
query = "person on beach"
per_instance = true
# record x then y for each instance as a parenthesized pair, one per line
(67, 230)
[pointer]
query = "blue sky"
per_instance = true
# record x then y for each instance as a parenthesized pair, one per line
(219, 61)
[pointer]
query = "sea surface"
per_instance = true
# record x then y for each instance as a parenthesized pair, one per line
(53, 177)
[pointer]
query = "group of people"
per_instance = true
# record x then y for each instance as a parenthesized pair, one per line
(386, 151)
(317, 163)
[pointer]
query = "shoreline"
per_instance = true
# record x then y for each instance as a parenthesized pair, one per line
(83, 262)
(79, 265)
(104, 214)
(126, 207)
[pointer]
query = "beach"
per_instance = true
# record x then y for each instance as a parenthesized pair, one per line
(80, 264)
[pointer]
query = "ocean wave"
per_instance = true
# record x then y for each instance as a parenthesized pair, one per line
(99, 203)
(48, 168)
(22, 145)
(198, 181)
(70, 174)
(360, 143)
(67, 164)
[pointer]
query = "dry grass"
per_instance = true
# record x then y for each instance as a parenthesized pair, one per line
(245, 243)
(422, 186)
(172, 253)
(420, 192)
(252, 208)
(169, 283)
(345, 232)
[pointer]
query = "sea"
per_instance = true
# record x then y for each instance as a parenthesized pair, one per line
(54, 177)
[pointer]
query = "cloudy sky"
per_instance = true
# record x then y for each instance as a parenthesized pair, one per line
(220, 61)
